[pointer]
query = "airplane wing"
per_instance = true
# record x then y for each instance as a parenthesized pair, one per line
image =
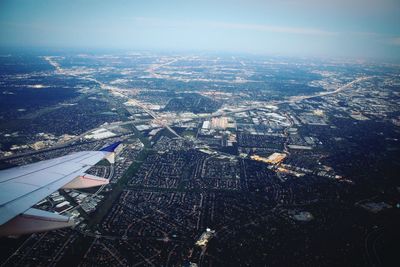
(24, 186)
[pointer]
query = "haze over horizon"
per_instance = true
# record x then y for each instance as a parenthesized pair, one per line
(353, 29)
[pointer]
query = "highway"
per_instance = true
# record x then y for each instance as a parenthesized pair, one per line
(293, 99)
(151, 113)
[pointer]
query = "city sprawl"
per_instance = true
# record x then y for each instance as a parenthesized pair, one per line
(225, 160)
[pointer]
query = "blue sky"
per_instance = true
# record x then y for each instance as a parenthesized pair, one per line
(339, 28)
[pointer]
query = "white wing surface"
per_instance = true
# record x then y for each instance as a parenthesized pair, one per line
(24, 186)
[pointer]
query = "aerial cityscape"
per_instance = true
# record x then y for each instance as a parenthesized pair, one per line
(219, 159)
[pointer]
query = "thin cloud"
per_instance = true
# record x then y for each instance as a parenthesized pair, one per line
(148, 21)
(272, 28)
(395, 41)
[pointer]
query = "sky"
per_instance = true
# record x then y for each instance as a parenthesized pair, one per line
(327, 28)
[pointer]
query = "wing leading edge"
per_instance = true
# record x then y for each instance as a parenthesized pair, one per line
(24, 186)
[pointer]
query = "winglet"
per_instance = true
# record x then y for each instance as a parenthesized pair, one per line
(111, 148)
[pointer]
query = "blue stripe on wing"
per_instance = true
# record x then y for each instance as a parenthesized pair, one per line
(111, 148)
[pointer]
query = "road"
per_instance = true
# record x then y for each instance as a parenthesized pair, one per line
(370, 247)
(59, 146)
